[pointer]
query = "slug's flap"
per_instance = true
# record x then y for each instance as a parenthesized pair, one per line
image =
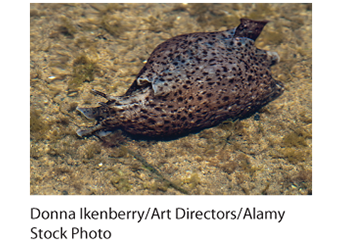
(250, 28)
(159, 85)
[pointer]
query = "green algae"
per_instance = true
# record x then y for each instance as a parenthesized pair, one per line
(261, 11)
(293, 155)
(274, 37)
(303, 178)
(155, 171)
(92, 150)
(84, 69)
(38, 127)
(113, 25)
(192, 181)
(297, 138)
(157, 25)
(208, 14)
(66, 27)
(120, 182)
(229, 166)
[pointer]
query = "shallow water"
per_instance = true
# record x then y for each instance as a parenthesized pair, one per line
(77, 47)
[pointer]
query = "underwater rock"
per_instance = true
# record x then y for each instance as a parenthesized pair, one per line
(190, 82)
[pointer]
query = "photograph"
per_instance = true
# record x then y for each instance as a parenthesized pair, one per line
(171, 99)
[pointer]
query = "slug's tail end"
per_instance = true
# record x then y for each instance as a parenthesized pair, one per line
(250, 28)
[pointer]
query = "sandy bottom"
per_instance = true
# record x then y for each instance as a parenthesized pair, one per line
(77, 47)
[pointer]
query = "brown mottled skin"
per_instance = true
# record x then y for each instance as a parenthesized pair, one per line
(191, 82)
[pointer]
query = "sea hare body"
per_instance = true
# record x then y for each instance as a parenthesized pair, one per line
(191, 82)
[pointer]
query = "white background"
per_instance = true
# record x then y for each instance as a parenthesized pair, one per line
(306, 217)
